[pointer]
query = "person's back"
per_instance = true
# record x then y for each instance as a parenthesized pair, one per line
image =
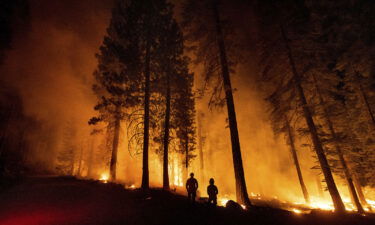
(191, 187)
(212, 192)
(191, 184)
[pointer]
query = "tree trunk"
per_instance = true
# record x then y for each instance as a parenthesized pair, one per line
(354, 175)
(368, 107)
(241, 190)
(332, 188)
(349, 181)
(186, 151)
(340, 154)
(166, 135)
(319, 186)
(90, 160)
(146, 120)
(200, 140)
(296, 162)
(184, 169)
(358, 186)
(115, 142)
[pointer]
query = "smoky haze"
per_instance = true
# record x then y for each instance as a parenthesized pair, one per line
(51, 68)
(51, 63)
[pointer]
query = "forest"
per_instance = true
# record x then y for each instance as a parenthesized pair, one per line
(274, 100)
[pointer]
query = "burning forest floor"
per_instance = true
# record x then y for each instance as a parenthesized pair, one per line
(68, 201)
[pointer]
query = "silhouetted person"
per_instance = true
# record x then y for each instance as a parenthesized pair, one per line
(212, 192)
(191, 187)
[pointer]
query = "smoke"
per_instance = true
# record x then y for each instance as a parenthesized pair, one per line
(51, 64)
(268, 165)
(269, 169)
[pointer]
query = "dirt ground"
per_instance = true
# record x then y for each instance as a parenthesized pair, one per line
(68, 201)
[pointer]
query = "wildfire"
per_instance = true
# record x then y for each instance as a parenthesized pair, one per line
(326, 205)
(223, 201)
(321, 205)
(371, 203)
(104, 177)
(177, 178)
(297, 211)
(132, 187)
(253, 195)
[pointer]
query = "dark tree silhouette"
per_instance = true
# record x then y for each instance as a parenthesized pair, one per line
(174, 66)
(204, 26)
(118, 85)
(296, 161)
(184, 114)
(293, 20)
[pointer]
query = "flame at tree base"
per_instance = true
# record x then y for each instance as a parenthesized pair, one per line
(104, 178)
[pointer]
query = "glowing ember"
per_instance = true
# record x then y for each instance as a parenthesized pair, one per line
(131, 187)
(253, 195)
(297, 211)
(223, 201)
(321, 205)
(104, 177)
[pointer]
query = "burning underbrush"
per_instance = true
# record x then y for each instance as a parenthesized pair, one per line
(315, 204)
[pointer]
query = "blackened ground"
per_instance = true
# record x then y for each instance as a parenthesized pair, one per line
(67, 201)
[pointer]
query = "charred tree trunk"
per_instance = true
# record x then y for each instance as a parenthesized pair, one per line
(332, 188)
(184, 170)
(368, 107)
(349, 181)
(358, 187)
(241, 190)
(355, 175)
(319, 186)
(296, 162)
(146, 120)
(166, 135)
(200, 140)
(115, 142)
(186, 151)
(339, 152)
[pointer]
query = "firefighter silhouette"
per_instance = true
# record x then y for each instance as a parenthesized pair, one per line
(212, 192)
(191, 187)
